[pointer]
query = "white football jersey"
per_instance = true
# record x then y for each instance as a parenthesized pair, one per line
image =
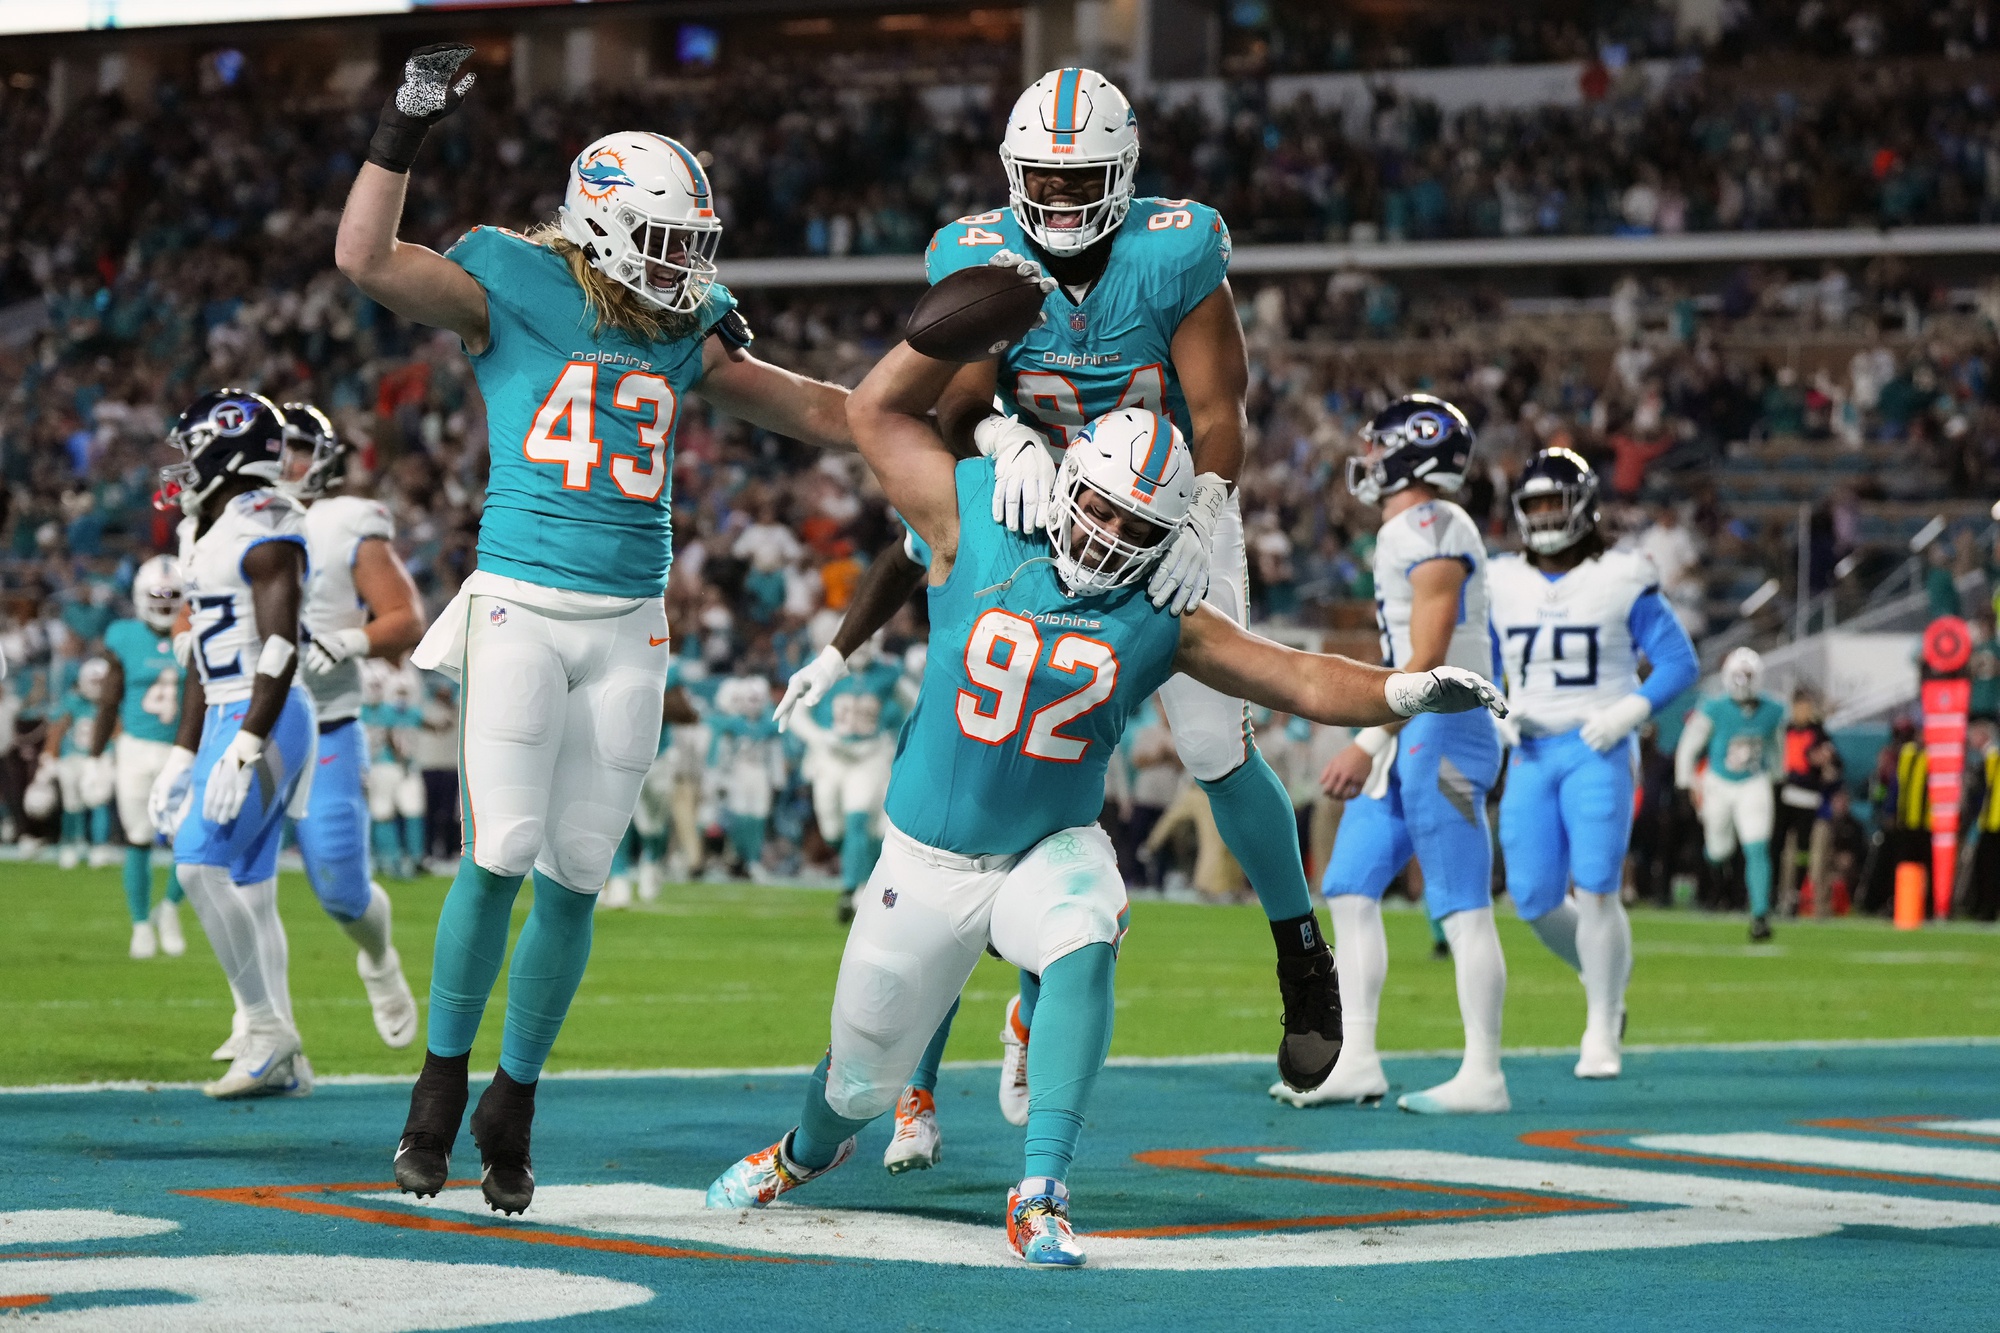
(1567, 642)
(1434, 530)
(222, 613)
(335, 529)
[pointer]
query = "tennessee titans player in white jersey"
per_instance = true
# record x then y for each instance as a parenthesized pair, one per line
(1572, 618)
(244, 751)
(585, 336)
(1141, 315)
(1041, 650)
(1419, 790)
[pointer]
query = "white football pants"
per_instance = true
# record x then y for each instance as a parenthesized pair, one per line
(849, 783)
(138, 763)
(561, 721)
(1734, 810)
(919, 927)
(1212, 730)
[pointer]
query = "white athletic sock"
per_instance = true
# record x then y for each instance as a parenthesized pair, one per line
(1361, 955)
(228, 919)
(1604, 942)
(272, 945)
(1558, 930)
(370, 930)
(1482, 987)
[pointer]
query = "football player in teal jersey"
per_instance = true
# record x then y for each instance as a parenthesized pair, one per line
(82, 774)
(1741, 733)
(1042, 647)
(142, 703)
(585, 335)
(1142, 316)
(850, 735)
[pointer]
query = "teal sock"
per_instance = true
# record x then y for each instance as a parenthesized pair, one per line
(139, 883)
(858, 851)
(1031, 991)
(926, 1075)
(175, 893)
(413, 837)
(471, 945)
(621, 859)
(72, 826)
(1254, 814)
(746, 834)
(1070, 1044)
(548, 965)
(100, 826)
(1757, 876)
(1437, 930)
(388, 840)
(653, 849)
(821, 1129)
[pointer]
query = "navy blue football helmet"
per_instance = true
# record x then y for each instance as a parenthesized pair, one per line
(1417, 438)
(222, 434)
(309, 433)
(1552, 528)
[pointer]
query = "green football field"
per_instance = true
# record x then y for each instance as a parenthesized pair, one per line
(735, 976)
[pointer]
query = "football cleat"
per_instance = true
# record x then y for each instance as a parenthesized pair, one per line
(389, 997)
(167, 925)
(145, 942)
(649, 881)
(502, 1124)
(916, 1145)
(1014, 1065)
(617, 894)
(762, 1176)
(1311, 1044)
(69, 856)
(1760, 930)
(269, 1065)
(1462, 1094)
(103, 856)
(1356, 1081)
(437, 1104)
(1038, 1224)
(239, 1028)
(843, 909)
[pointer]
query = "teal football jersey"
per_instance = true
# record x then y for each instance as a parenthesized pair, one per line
(579, 424)
(1744, 745)
(151, 708)
(1115, 348)
(1026, 691)
(82, 715)
(863, 703)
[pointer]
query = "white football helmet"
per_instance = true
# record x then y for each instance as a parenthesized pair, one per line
(1138, 462)
(639, 204)
(1071, 118)
(1743, 675)
(90, 678)
(157, 589)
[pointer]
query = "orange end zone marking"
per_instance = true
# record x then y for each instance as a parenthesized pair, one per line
(1901, 1124)
(288, 1198)
(1509, 1203)
(1569, 1140)
(21, 1302)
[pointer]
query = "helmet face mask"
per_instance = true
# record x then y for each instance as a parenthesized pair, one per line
(1068, 121)
(157, 591)
(314, 454)
(639, 207)
(1743, 675)
(1565, 478)
(1123, 491)
(223, 434)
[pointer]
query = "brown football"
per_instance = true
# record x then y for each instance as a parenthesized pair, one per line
(974, 313)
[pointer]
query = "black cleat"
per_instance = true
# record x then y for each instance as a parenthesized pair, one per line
(843, 910)
(1440, 951)
(1760, 930)
(501, 1126)
(437, 1104)
(1311, 992)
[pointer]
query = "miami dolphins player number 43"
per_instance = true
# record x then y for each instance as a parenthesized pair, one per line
(1041, 649)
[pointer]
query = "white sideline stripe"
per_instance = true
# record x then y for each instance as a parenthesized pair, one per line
(1115, 1062)
(1850, 1154)
(1962, 1126)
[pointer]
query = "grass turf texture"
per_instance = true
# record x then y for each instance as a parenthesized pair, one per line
(716, 975)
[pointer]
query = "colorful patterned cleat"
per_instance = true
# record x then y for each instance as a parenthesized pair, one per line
(917, 1145)
(762, 1176)
(1038, 1224)
(1014, 1065)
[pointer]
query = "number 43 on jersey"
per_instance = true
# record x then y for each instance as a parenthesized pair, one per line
(565, 430)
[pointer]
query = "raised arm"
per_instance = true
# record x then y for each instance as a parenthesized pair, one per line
(107, 705)
(890, 416)
(884, 588)
(1213, 367)
(1321, 687)
(1434, 587)
(773, 397)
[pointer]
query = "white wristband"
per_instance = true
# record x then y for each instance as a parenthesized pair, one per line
(276, 656)
(246, 748)
(1374, 740)
(353, 642)
(1405, 692)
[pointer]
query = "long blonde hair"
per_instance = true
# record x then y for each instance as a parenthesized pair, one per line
(610, 302)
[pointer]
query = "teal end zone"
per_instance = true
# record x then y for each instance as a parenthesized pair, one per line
(1812, 1188)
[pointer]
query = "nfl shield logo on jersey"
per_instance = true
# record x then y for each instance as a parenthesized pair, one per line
(1078, 321)
(498, 615)
(888, 897)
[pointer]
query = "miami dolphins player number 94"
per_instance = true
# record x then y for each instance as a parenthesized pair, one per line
(586, 335)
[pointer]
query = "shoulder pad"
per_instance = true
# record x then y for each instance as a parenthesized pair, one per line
(1181, 226)
(269, 509)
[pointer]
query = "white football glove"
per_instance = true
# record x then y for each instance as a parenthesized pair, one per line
(166, 803)
(324, 652)
(810, 683)
(1508, 730)
(1445, 689)
(1181, 581)
(1024, 266)
(1024, 476)
(1614, 722)
(229, 781)
(184, 648)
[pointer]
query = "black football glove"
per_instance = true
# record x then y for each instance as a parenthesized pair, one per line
(426, 96)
